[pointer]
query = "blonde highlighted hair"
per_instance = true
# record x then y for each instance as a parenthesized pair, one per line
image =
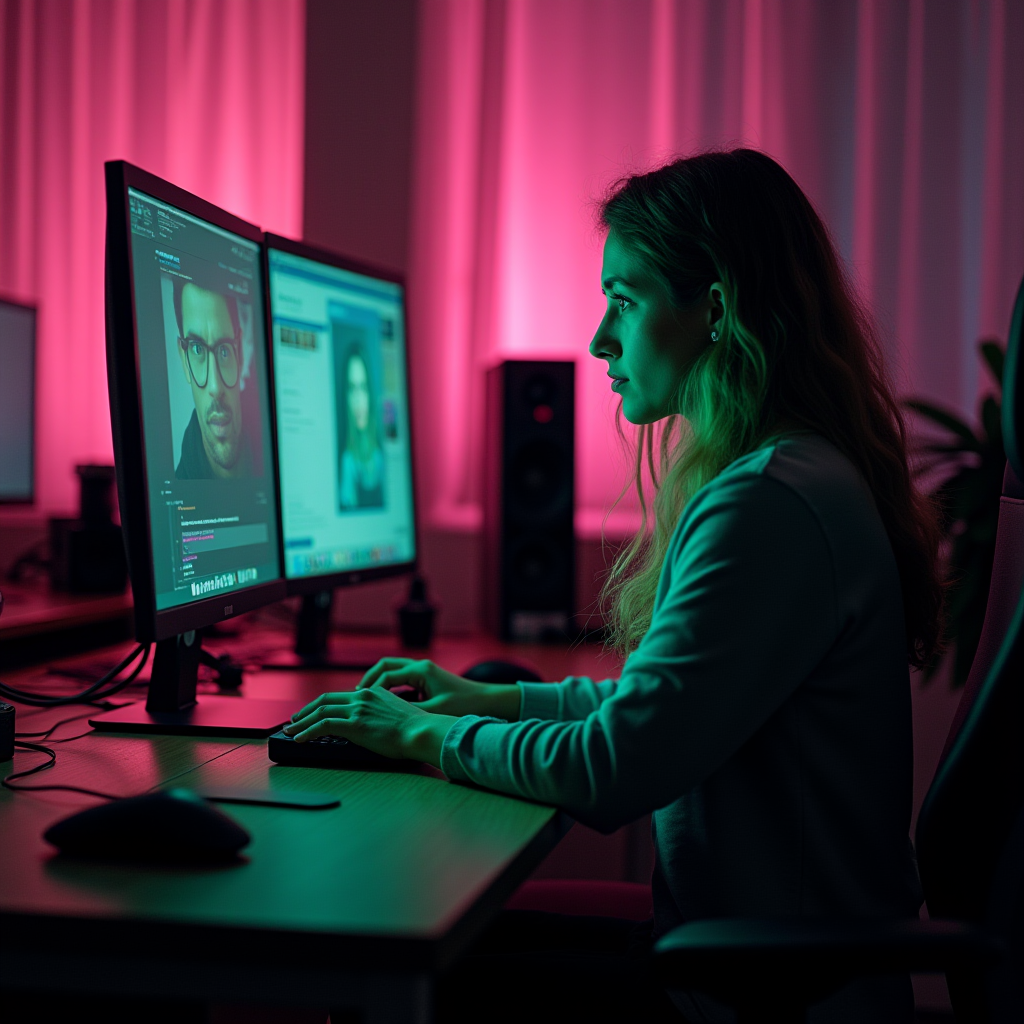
(795, 349)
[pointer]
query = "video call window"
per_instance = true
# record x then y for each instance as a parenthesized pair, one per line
(357, 391)
(342, 409)
(210, 365)
(205, 402)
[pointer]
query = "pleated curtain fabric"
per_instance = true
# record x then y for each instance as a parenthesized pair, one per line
(904, 123)
(206, 93)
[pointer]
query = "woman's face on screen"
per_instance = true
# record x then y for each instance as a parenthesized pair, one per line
(358, 393)
(648, 343)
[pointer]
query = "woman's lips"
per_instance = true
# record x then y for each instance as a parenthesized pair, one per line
(617, 382)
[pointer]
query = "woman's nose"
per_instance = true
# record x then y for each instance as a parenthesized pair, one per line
(604, 345)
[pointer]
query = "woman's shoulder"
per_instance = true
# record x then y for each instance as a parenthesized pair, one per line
(802, 461)
(799, 476)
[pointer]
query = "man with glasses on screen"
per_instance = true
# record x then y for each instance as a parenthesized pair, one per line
(210, 346)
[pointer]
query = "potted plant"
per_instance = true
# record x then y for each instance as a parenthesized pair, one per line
(969, 464)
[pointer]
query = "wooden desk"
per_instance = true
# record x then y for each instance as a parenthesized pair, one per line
(355, 906)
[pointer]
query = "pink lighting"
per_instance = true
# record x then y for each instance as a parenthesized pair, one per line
(901, 121)
(207, 93)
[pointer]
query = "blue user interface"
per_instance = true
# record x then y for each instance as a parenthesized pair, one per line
(343, 428)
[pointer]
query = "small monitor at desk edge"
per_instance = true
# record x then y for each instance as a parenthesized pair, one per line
(17, 401)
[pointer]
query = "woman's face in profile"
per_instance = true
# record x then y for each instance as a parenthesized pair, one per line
(648, 343)
(358, 393)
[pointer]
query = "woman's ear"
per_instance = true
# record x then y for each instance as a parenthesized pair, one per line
(716, 306)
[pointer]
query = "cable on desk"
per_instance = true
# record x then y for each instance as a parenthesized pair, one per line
(52, 754)
(45, 734)
(91, 694)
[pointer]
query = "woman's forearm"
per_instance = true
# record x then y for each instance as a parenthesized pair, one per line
(502, 701)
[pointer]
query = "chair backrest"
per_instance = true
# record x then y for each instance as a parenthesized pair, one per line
(970, 832)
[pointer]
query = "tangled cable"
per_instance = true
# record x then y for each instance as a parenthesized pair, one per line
(106, 686)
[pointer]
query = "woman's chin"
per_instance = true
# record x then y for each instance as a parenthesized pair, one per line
(638, 417)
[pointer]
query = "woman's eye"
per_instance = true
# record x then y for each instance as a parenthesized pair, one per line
(622, 303)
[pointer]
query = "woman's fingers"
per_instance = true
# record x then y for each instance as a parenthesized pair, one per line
(372, 718)
(323, 727)
(324, 698)
(409, 673)
(313, 713)
(382, 666)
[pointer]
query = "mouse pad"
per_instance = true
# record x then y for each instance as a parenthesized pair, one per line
(267, 797)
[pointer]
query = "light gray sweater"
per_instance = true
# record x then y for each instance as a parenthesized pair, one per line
(765, 717)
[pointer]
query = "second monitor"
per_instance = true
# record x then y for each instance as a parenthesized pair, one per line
(344, 436)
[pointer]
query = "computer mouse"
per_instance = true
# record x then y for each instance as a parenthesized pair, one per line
(501, 672)
(170, 826)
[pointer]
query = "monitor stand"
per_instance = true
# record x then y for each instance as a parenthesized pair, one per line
(312, 642)
(173, 709)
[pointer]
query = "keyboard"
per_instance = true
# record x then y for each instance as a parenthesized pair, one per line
(325, 752)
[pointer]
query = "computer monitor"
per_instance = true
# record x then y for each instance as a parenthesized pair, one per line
(17, 401)
(344, 439)
(190, 409)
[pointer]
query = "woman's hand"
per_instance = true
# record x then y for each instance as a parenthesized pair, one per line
(376, 719)
(444, 692)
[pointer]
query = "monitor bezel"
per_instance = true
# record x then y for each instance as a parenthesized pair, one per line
(124, 387)
(8, 300)
(326, 581)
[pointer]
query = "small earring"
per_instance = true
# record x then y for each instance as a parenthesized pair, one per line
(714, 336)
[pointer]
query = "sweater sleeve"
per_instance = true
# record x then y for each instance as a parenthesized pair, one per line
(570, 700)
(746, 608)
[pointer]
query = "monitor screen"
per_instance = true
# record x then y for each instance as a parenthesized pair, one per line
(343, 433)
(205, 403)
(17, 399)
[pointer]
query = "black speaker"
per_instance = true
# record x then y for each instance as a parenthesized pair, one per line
(529, 498)
(87, 554)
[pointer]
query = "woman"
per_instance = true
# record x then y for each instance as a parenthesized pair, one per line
(769, 615)
(361, 465)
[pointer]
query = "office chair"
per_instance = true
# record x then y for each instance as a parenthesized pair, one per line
(970, 836)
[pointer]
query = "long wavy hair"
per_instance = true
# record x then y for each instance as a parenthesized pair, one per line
(796, 349)
(362, 443)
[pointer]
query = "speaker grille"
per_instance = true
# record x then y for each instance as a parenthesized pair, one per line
(529, 499)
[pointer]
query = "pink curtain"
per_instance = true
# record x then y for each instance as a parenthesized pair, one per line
(207, 93)
(904, 122)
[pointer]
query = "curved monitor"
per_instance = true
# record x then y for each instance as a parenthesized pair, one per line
(341, 389)
(190, 405)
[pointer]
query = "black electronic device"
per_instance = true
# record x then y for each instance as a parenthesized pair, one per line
(497, 671)
(174, 826)
(416, 616)
(17, 401)
(7, 719)
(529, 540)
(87, 554)
(343, 431)
(326, 752)
(190, 407)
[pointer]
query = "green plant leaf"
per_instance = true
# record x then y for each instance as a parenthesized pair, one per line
(948, 420)
(991, 421)
(994, 355)
(969, 469)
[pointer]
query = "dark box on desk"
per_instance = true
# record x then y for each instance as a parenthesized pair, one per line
(87, 558)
